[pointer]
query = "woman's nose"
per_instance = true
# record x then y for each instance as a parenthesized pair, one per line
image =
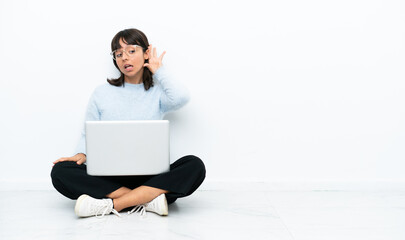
(124, 56)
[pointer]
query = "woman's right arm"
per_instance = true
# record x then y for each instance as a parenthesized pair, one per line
(92, 114)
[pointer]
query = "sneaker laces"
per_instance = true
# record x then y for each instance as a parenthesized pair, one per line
(103, 207)
(115, 212)
(141, 209)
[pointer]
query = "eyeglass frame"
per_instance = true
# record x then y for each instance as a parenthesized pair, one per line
(123, 51)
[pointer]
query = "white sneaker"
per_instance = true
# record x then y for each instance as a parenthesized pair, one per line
(157, 205)
(87, 206)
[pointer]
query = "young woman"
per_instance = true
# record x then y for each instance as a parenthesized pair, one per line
(144, 91)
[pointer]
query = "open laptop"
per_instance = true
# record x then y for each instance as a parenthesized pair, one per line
(116, 148)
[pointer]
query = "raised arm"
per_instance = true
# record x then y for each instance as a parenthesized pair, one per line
(175, 95)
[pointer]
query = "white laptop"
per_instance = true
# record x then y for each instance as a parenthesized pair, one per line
(115, 148)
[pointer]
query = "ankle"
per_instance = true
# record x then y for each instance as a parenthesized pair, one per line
(116, 205)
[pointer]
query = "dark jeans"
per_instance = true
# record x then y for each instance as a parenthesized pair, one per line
(184, 177)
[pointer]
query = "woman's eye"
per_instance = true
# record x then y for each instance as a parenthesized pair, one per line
(131, 51)
(118, 55)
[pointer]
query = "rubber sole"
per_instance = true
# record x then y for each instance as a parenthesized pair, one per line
(166, 209)
(79, 202)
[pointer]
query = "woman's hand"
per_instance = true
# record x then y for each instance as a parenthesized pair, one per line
(79, 158)
(154, 62)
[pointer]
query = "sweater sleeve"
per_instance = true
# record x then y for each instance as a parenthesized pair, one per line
(175, 95)
(92, 114)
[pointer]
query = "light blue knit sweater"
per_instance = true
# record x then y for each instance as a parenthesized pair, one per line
(133, 102)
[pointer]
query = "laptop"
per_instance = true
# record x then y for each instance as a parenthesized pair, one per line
(117, 148)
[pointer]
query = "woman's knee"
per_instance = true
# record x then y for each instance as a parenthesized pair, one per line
(196, 164)
(57, 169)
(197, 172)
(60, 174)
(61, 169)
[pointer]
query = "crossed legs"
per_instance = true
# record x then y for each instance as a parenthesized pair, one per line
(125, 197)
(184, 177)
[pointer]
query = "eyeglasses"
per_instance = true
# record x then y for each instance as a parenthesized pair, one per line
(129, 51)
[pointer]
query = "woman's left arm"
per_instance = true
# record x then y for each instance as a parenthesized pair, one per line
(175, 95)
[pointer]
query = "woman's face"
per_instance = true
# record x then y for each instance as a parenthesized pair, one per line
(131, 64)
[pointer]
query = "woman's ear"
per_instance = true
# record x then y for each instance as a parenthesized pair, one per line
(146, 54)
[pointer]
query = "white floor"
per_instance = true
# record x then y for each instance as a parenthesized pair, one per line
(216, 214)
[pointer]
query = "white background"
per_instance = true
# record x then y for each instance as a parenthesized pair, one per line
(281, 90)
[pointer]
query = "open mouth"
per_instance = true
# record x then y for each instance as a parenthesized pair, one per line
(128, 67)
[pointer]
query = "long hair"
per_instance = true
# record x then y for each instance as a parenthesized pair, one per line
(131, 36)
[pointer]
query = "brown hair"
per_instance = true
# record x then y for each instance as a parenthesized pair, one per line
(135, 37)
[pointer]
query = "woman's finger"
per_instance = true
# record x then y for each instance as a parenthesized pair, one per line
(150, 51)
(161, 56)
(63, 159)
(58, 160)
(153, 52)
